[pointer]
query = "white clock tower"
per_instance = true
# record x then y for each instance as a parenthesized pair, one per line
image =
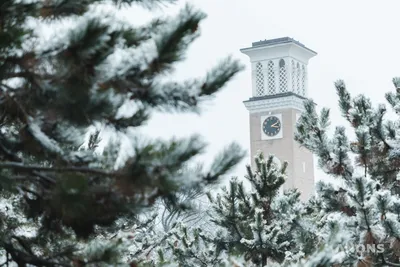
(279, 87)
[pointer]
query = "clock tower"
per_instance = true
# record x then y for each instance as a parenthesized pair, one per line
(279, 87)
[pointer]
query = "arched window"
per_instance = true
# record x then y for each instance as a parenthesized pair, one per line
(298, 76)
(271, 78)
(293, 76)
(282, 76)
(303, 80)
(259, 79)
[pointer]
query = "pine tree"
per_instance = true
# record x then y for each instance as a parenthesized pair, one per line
(358, 220)
(261, 225)
(54, 90)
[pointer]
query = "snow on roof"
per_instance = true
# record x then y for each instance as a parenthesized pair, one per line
(281, 40)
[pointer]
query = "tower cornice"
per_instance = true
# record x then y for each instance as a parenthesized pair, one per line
(279, 47)
(277, 42)
(274, 102)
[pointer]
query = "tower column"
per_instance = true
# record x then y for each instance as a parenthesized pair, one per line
(276, 103)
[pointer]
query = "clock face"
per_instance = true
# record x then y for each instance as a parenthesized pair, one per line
(271, 126)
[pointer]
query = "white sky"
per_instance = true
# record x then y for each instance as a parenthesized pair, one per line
(357, 41)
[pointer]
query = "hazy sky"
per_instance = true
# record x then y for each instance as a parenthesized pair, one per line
(357, 41)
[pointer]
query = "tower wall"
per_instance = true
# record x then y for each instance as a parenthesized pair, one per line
(281, 148)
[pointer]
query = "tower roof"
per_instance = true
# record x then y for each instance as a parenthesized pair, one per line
(278, 41)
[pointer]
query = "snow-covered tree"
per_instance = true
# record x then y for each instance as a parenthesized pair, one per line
(260, 224)
(243, 226)
(71, 71)
(365, 203)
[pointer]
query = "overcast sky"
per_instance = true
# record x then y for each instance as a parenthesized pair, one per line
(357, 41)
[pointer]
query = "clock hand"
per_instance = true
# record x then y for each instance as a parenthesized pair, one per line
(274, 125)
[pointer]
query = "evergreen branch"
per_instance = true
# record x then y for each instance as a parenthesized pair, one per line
(7, 153)
(7, 87)
(391, 129)
(65, 89)
(25, 167)
(137, 119)
(344, 98)
(44, 177)
(187, 95)
(134, 37)
(64, 8)
(22, 258)
(392, 100)
(165, 155)
(90, 44)
(23, 244)
(391, 263)
(312, 135)
(148, 4)
(244, 197)
(378, 129)
(225, 161)
(220, 75)
(35, 132)
(175, 40)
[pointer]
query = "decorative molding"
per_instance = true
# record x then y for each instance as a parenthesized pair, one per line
(270, 104)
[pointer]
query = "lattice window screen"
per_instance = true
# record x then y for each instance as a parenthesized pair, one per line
(271, 78)
(303, 80)
(282, 77)
(298, 76)
(259, 79)
(293, 76)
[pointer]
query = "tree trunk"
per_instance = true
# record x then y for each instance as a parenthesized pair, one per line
(264, 260)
